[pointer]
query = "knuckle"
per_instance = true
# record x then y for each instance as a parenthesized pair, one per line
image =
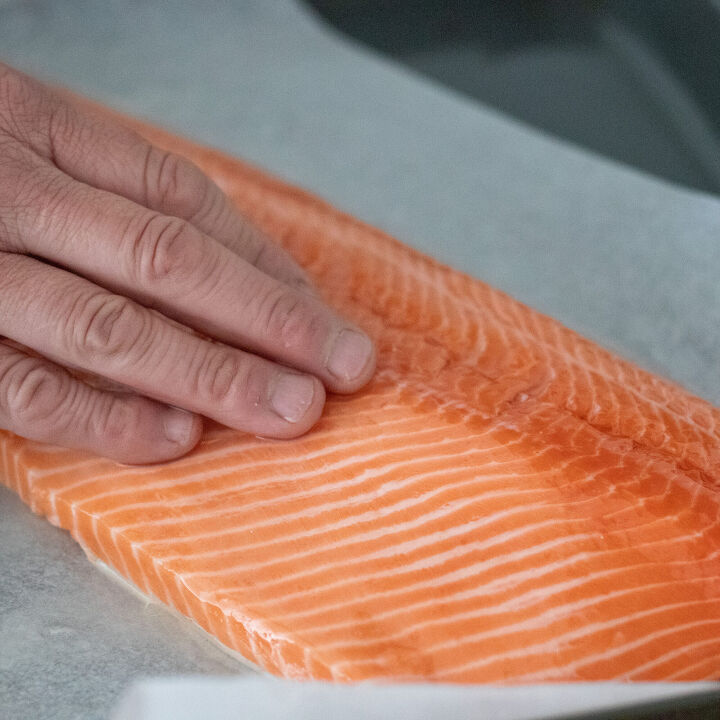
(254, 245)
(15, 279)
(35, 203)
(293, 320)
(168, 182)
(109, 327)
(22, 192)
(116, 420)
(252, 384)
(65, 131)
(167, 251)
(50, 205)
(218, 376)
(22, 103)
(34, 393)
(13, 87)
(176, 185)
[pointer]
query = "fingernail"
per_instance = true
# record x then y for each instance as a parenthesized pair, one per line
(349, 355)
(178, 426)
(292, 396)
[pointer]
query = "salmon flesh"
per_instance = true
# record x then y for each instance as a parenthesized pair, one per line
(506, 502)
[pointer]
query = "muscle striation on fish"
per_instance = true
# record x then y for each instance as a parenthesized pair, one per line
(506, 502)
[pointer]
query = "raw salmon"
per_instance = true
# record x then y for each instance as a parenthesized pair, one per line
(506, 502)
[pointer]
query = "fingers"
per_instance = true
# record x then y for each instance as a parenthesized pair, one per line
(40, 401)
(116, 215)
(77, 323)
(168, 264)
(109, 156)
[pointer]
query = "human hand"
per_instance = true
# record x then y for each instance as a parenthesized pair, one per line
(111, 250)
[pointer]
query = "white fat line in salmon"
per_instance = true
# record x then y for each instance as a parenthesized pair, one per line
(398, 529)
(204, 451)
(562, 612)
(385, 531)
(287, 474)
(202, 478)
(523, 601)
(435, 582)
(689, 670)
(377, 533)
(577, 666)
(374, 514)
(322, 494)
(386, 513)
(356, 480)
(440, 579)
(121, 482)
(478, 588)
(197, 465)
(422, 520)
(456, 532)
(74, 511)
(685, 650)
(166, 561)
(98, 465)
(417, 626)
(35, 474)
(550, 646)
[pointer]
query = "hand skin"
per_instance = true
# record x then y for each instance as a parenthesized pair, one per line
(110, 250)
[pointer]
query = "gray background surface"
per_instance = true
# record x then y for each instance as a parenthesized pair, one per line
(625, 259)
(201, 698)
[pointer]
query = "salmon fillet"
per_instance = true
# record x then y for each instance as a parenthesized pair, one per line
(506, 501)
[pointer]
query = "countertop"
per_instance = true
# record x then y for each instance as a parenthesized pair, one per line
(626, 259)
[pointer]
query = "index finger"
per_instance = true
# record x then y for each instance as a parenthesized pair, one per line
(78, 324)
(167, 264)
